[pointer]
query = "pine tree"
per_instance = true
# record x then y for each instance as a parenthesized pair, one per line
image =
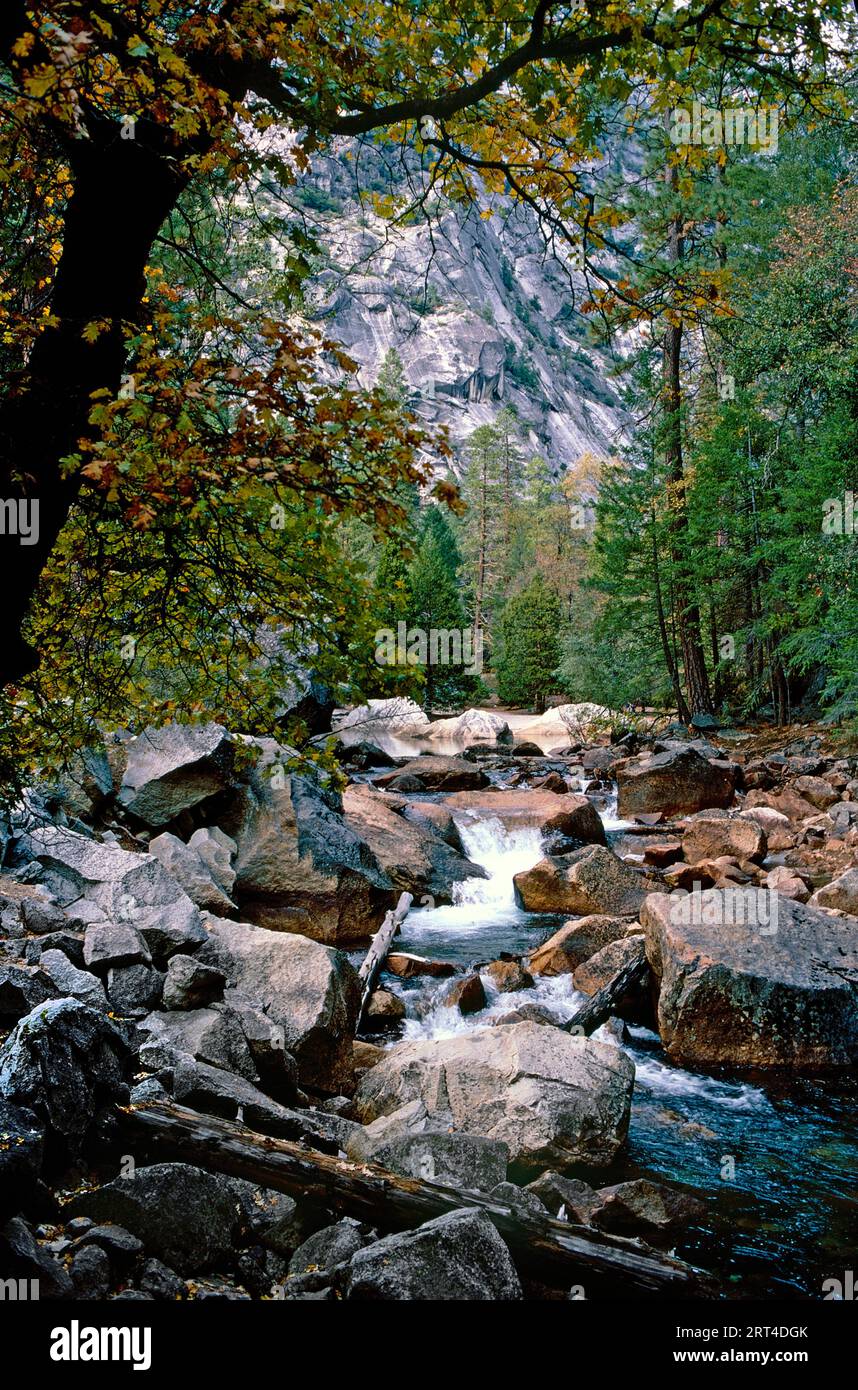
(531, 647)
(436, 609)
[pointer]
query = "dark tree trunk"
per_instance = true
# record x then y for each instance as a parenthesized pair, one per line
(122, 194)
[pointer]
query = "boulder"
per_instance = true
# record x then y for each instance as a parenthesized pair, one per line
(508, 976)
(412, 853)
(22, 1138)
(325, 1249)
(191, 873)
(466, 994)
(216, 851)
(114, 943)
(118, 888)
(516, 809)
(437, 773)
(64, 1061)
(173, 769)
(182, 1214)
(307, 990)
(474, 726)
(779, 833)
(22, 988)
(457, 1257)
(72, 982)
(778, 992)
(413, 1143)
(788, 884)
(134, 989)
(576, 942)
(409, 967)
(648, 1209)
(817, 791)
(676, 782)
(552, 1098)
(841, 893)
(191, 985)
(210, 1035)
(398, 715)
(300, 867)
(589, 880)
(709, 837)
(384, 1010)
(576, 1199)
(596, 972)
(788, 801)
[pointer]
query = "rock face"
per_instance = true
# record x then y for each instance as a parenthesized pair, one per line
(182, 1214)
(459, 1256)
(412, 853)
(172, 769)
(309, 991)
(576, 942)
(552, 1098)
(708, 837)
(740, 995)
(676, 782)
(438, 774)
(64, 1061)
(300, 867)
(589, 880)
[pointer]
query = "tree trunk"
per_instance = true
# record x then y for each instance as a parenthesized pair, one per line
(686, 608)
(377, 953)
(122, 194)
(553, 1251)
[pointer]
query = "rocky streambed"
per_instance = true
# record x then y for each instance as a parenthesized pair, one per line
(181, 927)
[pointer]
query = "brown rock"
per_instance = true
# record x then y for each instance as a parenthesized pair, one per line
(709, 837)
(575, 943)
(466, 994)
(663, 853)
(509, 975)
(437, 773)
(817, 791)
(589, 880)
(788, 884)
(841, 893)
(645, 1208)
(384, 1010)
(407, 966)
(675, 782)
(415, 856)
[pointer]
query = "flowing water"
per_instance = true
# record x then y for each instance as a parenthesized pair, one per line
(776, 1166)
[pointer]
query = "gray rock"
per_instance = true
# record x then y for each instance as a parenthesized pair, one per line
(69, 943)
(410, 1141)
(162, 1282)
(331, 1246)
(575, 1199)
(74, 983)
(174, 768)
(210, 1035)
(191, 873)
(841, 893)
(100, 882)
(552, 1098)
(173, 929)
(183, 1215)
(64, 1060)
(310, 992)
(217, 851)
(90, 1272)
(519, 1198)
(22, 1137)
(300, 867)
(22, 989)
(778, 991)
(114, 943)
(22, 1258)
(122, 1247)
(134, 989)
(457, 1257)
(190, 984)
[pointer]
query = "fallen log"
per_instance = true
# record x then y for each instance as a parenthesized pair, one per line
(551, 1251)
(377, 953)
(603, 1003)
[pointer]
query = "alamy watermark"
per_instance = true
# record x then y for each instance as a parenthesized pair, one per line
(731, 125)
(840, 515)
(434, 646)
(19, 516)
(728, 907)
